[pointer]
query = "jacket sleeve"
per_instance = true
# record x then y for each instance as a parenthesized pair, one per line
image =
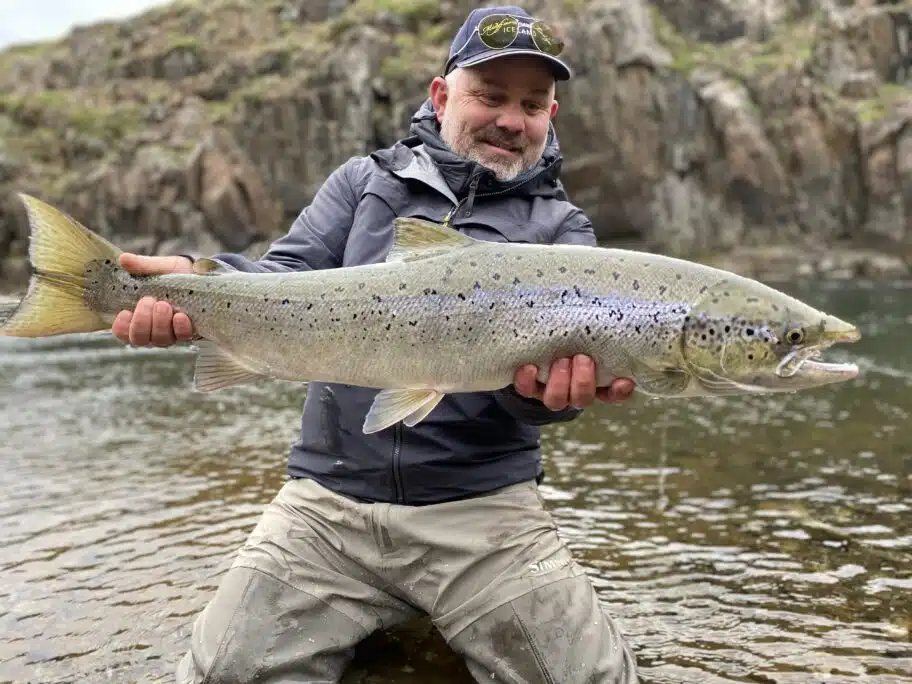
(316, 239)
(577, 230)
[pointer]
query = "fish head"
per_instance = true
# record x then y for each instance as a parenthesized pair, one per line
(743, 336)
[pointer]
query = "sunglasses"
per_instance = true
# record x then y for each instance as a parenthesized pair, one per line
(499, 31)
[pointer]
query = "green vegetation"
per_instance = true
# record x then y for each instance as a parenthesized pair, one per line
(790, 45)
(889, 95)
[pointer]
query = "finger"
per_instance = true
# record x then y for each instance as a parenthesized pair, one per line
(582, 381)
(526, 383)
(183, 326)
(149, 265)
(620, 390)
(557, 391)
(162, 328)
(121, 326)
(141, 325)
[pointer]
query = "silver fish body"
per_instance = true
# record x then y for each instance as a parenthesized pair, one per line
(446, 313)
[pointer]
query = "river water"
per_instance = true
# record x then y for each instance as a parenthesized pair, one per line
(735, 540)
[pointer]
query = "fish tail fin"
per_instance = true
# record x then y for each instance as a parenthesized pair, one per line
(60, 249)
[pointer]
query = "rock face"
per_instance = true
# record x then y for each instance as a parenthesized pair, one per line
(699, 128)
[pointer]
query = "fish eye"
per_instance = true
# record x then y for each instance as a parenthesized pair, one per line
(795, 336)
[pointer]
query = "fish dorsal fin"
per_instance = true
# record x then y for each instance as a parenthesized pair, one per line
(419, 239)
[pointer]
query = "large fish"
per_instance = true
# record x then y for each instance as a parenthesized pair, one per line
(447, 313)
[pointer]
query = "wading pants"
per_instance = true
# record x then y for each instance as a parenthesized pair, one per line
(320, 572)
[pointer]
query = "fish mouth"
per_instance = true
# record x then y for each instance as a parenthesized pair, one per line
(807, 361)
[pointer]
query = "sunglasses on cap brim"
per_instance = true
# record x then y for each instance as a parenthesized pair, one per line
(499, 31)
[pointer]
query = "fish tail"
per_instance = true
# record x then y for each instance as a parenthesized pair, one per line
(60, 250)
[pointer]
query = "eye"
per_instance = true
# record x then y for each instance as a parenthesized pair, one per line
(795, 336)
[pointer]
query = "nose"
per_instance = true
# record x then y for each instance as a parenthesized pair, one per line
(511, 119)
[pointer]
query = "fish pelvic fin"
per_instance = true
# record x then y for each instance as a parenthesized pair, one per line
(216, 369)
(419, 239)
(60, 250)
(390, 406)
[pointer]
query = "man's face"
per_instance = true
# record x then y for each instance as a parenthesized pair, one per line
(497, 113)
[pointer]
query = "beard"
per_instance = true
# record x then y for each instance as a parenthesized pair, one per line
(470, 145)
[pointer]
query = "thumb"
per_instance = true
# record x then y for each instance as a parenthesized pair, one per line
(154, 265)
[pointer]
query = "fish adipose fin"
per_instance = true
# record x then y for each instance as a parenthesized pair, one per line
(419, 239)
(392, 405)
(60, 249)
(216, 369)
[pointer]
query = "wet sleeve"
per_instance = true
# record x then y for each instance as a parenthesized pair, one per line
(316, 239)
(532, 411)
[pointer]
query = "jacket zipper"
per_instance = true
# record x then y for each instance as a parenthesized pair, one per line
(397, 458)
(470, 201)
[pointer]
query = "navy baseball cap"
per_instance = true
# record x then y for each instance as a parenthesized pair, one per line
(492, 32)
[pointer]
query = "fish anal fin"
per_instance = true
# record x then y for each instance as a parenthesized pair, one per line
(393, 405)
(216, 369)
(419, 239)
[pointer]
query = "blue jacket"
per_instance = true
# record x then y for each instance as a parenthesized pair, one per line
(471, 443)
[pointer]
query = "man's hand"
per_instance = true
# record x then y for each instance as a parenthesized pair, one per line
(570, 382)
(153, 323)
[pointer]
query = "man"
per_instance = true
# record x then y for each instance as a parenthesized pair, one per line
(443, 518)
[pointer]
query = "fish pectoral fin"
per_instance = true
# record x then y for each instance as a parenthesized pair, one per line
(667, 382)
(207, 266)
(411, 406)
(216, 369)
(419, 239)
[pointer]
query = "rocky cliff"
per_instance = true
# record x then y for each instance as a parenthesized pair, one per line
(714, 129)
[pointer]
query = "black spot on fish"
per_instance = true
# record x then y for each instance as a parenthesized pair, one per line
(227, 305)
(662, 289)
(360, 286)
(530, 303)
(749, 332)
(678, 276)
(516, 281)
(562, 269)
(389, 325)
(285, 301)
(636, 284)
(477, 285)
(107, 262)
(354, 316)
(616, 275)
(461, 296)
(540, 273)
(402, 286)
(589, 271)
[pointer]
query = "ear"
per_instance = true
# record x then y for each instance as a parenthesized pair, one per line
(439, 96)
(553, 108)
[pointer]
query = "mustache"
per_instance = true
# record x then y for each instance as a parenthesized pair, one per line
(513, 142)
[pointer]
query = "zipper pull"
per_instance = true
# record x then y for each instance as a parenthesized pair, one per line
(473, 186)
(446, 219)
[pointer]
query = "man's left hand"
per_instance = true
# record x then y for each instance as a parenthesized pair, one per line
(571, 382)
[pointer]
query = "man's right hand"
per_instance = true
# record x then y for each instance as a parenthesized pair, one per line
(153, 323)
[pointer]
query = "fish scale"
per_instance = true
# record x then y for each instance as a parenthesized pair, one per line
(444, 313)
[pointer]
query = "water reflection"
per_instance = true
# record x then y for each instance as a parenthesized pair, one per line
(736, 540)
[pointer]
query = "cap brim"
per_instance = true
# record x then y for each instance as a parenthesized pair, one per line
(562, 72)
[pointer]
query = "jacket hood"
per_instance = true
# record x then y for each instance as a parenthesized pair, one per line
(543, 180)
